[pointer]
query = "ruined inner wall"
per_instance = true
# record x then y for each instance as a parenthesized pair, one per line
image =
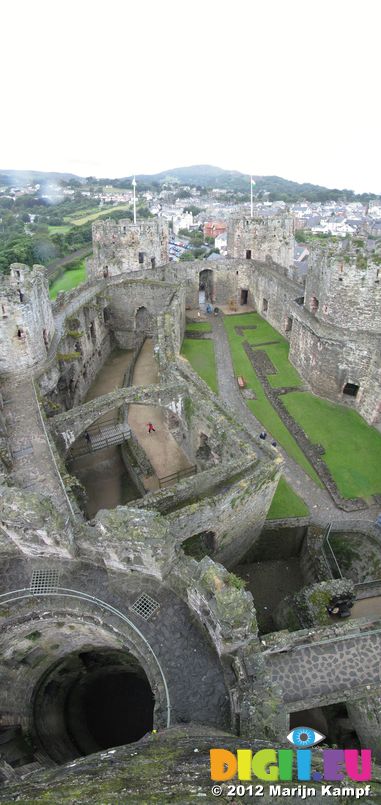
(27, 325)
(86, 342)
(134, 306)
(262, 237)
(120, 246)
(270, 291)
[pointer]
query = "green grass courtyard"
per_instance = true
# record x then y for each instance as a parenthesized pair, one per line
(352, 448)
(286, 503)
(200, 354)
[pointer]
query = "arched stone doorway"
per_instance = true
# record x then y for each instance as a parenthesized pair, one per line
(206, 286)
(142, 321)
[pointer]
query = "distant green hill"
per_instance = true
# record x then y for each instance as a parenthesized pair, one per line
(210, 176)
(206, 176)
(16, 178)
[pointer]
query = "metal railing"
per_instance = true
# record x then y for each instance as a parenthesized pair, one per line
(330, 556)
(168, 480)
(100, 438)
(65, 592)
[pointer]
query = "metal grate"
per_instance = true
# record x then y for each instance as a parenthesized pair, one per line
(145, 606)
(44, 581)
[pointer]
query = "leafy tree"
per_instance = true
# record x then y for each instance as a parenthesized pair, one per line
(193, 209)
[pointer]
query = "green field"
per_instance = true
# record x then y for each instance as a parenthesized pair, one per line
(261, 407)
(93, 214)
(352, 448)
(200, 355)
(199, 326)
(286, 503)
(59, 230)
(72, 277)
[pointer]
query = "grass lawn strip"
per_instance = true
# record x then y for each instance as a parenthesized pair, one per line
(199, 326)
(261, 407)
(278, 353)
(200, 355)
(286, 503)
(352, 448)
(70, 279)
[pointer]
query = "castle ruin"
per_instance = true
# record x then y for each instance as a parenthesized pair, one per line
(138, 602)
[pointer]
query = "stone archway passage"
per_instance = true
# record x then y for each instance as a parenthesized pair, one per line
(142, 321)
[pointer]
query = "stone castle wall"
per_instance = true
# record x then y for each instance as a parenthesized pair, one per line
(86, 342)
(134, 306)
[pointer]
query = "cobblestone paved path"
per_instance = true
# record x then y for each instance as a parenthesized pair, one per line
(340, 664)
(318, 500)
(33, 465)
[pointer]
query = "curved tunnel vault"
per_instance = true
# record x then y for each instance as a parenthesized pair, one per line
(91, 700)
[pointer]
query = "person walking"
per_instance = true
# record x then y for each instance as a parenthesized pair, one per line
(150, 427)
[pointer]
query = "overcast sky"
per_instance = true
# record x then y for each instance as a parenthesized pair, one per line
(285, 87)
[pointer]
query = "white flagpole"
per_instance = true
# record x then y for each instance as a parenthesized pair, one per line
(251, 196)
(134, 185)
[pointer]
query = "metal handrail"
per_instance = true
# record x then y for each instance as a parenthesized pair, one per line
(327, 542)
(67, 592)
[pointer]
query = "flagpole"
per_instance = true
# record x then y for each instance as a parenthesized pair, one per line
(251, 196)
(134, 185)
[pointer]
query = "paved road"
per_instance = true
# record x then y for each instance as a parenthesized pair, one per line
(320, 503)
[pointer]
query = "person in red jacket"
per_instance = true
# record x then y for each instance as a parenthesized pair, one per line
(150, 427)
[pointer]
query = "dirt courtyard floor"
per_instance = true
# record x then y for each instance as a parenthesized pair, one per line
(162, 450)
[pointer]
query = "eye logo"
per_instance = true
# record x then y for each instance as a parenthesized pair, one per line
(303, 737)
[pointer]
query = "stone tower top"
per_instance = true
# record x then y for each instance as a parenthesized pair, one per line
(262, 237)
(121, 246)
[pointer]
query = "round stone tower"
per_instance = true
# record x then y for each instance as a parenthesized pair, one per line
(335, 341)
(26, 319)
(343, 286)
